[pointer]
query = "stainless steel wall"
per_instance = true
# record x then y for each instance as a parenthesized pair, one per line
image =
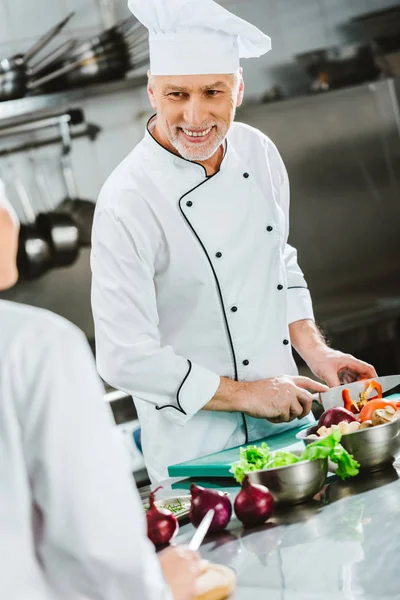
(342, 152)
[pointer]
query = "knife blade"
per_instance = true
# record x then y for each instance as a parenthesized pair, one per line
(201, 531)
(333, 397)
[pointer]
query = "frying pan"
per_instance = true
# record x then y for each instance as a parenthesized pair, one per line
(81, 211)
(58, 229)
(34, 256)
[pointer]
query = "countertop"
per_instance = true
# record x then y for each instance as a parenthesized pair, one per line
(344, 544)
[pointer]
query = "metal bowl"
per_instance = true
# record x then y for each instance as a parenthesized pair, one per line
(373, 448)
(294, 483)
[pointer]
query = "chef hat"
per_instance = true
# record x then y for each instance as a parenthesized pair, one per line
(5, 204)
(189, 37)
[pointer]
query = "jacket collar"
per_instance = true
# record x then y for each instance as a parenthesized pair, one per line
(175, 160)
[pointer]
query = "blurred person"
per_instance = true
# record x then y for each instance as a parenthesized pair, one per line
(197, 296)
(71, 521)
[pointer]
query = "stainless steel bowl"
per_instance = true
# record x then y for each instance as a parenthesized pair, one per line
(294, 483)
(373, 448)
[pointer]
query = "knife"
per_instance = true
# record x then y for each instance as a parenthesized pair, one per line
(201, 531)
(390, 385)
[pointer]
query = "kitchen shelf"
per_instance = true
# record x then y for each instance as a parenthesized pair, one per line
(13, 111)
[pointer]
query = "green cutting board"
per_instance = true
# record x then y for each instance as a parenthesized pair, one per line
(219, 464)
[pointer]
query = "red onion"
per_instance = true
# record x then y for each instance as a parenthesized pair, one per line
(162, 525)
(203, 500)
(254, 504)
(333, 416)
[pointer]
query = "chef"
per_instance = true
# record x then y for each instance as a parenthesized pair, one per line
(197, 296)
(71, 522)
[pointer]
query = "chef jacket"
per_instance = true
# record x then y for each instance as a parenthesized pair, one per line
(193, 279)
(71, 522)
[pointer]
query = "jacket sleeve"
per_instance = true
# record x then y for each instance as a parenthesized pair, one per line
(299, 297)
(130, 354)
(92, 540)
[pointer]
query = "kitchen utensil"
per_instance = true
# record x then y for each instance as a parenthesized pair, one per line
(82, 211)
(63, 49)
(219, 464)
(58, 229)
(103, 57)
(201, 531)
(374, 448)
(15, 72)
(34, 252)
(294, 483)
(333, 397)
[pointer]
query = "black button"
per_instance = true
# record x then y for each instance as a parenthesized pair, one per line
(280, 287)
(269, 228)
(245, 175)
(234, 308)
(218, 254)
(285, 342)
(245, 362)
(189, 203)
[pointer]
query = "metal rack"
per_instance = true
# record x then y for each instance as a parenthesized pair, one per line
(13, 111)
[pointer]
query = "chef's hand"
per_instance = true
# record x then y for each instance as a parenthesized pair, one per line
(336, 368)
(181, 568)
(279, 399)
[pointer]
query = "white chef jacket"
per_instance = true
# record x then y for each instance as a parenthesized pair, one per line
(71, 522)
(193, 279)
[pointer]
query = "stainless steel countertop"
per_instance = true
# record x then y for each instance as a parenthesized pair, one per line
(344, 545)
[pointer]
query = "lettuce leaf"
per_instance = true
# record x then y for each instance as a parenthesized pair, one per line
(257, 458)
(330, 447)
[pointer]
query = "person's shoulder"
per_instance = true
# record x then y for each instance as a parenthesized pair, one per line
(20, 321)
(125, 181)
(245, 138)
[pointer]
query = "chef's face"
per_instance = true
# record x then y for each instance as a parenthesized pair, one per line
(8, 250)
(194, 112)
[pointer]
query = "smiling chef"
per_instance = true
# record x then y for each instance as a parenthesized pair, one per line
(197, 296)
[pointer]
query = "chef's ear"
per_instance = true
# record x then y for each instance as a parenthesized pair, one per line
(150, 90)
(240, 91)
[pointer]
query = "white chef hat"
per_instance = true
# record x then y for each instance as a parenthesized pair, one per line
(189, 37)
(5, 204)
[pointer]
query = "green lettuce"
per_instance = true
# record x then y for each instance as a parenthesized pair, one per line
(257, 458)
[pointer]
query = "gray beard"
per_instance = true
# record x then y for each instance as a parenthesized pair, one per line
(197, 154)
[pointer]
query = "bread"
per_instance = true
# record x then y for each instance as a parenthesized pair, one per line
(217, 582)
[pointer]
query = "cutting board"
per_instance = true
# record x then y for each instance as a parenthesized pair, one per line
(219, 464)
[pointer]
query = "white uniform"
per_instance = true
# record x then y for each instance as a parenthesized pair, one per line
(71, 522)
(193, 279)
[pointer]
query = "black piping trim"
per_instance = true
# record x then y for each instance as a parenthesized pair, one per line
(179, 407)
(193, 162)
(298, 287)
(218, 285)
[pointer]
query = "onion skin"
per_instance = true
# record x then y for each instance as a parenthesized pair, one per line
(254, 504)
(203, 500)
(333, 416)
(162, 525)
